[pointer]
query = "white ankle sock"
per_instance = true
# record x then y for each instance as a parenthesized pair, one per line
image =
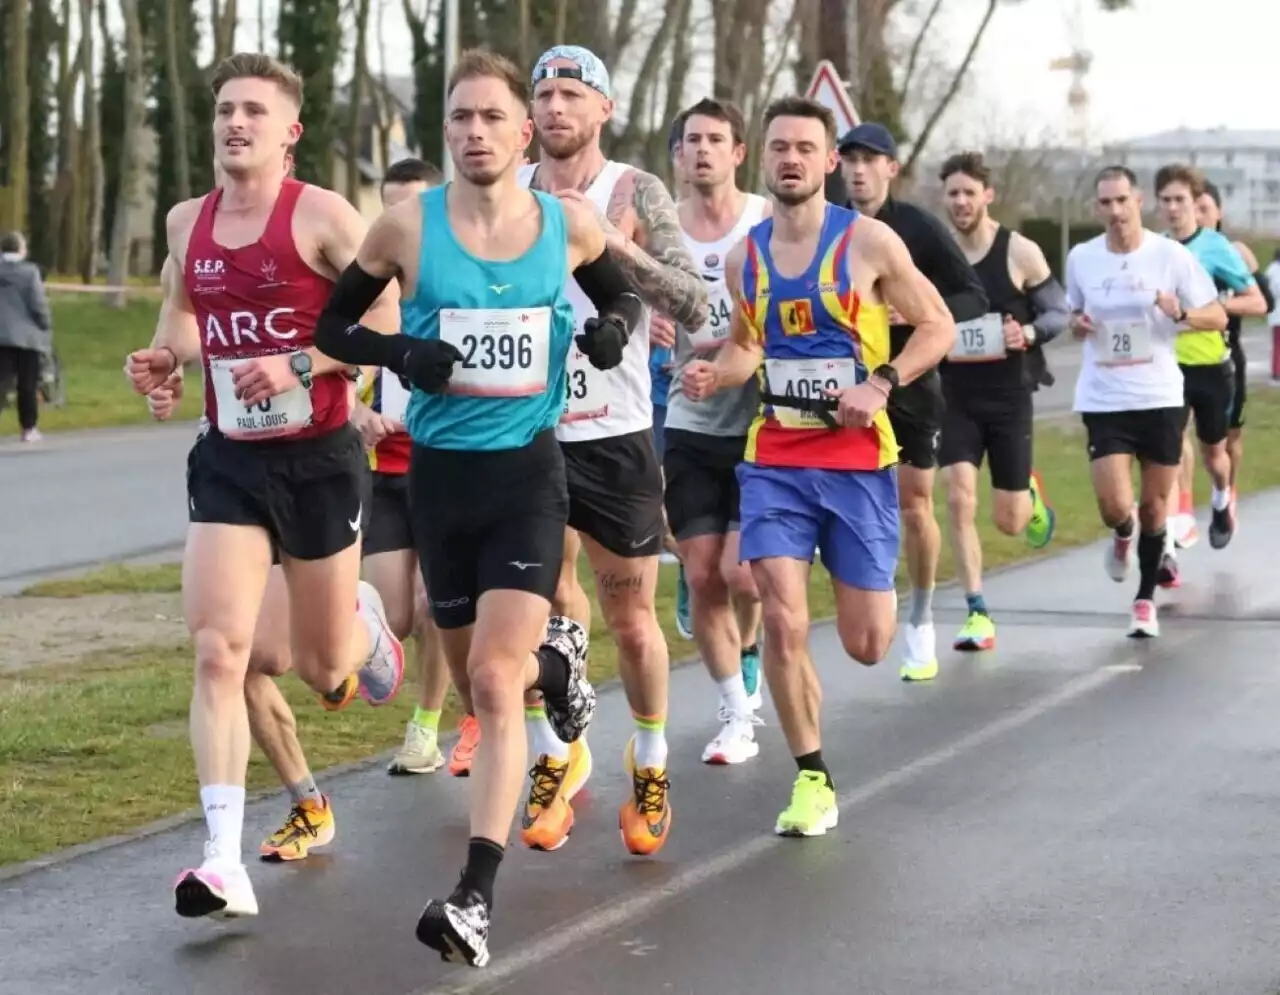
(1220, 499)
(545, 740)
(733, 695)
(651, 747)
(224, 815)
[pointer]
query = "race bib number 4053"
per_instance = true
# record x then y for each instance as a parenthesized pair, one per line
(506, 352)
(715, 331)
(283, 414)
(806, 379)
(1123, 339)
(979, 341)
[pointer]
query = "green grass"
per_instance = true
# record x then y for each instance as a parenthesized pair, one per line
(92, 340)
(100, 747)
(114, 578)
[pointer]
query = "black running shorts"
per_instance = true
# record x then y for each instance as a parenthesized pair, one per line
(915, 411)
(997, 424)
(1240, 385)
(702, 482)
(390, 526)
(615, 492)
(310, 495)
(1208, 390)
(487, 521)
(1153, 436)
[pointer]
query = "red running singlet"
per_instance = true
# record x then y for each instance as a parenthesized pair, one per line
(261, 299)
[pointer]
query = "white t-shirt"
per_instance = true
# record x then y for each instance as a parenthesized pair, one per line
(1129, 362)
(1273, 278)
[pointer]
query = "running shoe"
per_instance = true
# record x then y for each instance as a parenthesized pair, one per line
(1143, 622)
(571, 715)
(1043, 521)
(1223, 525)
(1168, 576)
(751, 675)
(216, 888)
(464, 751)
(921, 662)
(308, 827)
(977, 633)
(813, 807)
(458, 928)
(735, 743)
(684, 606)
(380, 677)
(420, 753)
(644, 820)
(548, 817)
(1119, 556)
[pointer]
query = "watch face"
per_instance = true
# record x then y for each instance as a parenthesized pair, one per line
(300, 362)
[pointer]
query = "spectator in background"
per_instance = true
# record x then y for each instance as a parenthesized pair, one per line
(1273, 281)
(26, 332)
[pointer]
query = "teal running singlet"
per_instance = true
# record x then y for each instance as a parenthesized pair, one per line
(510, 320)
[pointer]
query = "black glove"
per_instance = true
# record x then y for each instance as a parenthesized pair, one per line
(428, 364)
(602, 341)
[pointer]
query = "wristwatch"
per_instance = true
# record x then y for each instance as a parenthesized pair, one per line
(888, 374)
(300, 363)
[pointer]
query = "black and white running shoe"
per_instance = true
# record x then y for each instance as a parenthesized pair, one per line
(458, 928)
(569, 716)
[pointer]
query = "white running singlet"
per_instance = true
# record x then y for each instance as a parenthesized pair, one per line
(603, 404)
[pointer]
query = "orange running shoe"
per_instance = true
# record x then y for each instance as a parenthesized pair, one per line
(308, 826)
(464, 751)
(645, 818)
(336, 701)
(548, 816)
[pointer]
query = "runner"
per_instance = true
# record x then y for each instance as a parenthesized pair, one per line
(1203, 355)
(869, 157)
(615, 481)
(1132, 294)
(483, 266)
(1209, 215)
(706, 439)
(810, 285)
(278, 470)
(987, 382)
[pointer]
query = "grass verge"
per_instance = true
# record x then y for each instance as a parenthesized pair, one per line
(100, 748)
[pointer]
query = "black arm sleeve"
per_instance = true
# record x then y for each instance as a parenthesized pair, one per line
(339, 333)
(1264, 285)
(605, 285)
(949, 271)
(1049, 301)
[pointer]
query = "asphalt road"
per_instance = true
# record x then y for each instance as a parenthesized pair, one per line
(85, 498)
(1073, 812)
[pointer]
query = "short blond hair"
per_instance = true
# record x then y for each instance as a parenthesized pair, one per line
(476, 63)
(256, 65)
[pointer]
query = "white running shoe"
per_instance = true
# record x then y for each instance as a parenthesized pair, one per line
(920, 661)
(217, 888)
(736, 740)
(382, 675)
(1120, 555)
(420, 753)
(1143, 623)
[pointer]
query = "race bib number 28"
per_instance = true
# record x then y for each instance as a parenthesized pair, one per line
(806, 379)
(283, 414)
(1124, 340)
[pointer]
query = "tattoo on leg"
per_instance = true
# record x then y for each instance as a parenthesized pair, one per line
(614, 585)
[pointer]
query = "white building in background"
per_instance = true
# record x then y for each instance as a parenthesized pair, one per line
(1244, 164)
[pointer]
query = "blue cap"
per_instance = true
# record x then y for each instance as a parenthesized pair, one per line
(870, 136)
(587, 67)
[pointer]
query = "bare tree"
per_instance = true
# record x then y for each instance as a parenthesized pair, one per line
(130, 163)
(355, 102)
(222, 21)
(65, 217)
(173, 69)
(90, 148)
(19, 115)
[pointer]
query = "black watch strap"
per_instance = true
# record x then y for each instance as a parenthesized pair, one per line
(888, 374)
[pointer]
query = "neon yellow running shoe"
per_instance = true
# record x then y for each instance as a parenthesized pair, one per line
(978, 633)
(813, 807)
(1043, 518)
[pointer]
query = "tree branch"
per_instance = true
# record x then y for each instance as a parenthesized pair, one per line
(916, 45)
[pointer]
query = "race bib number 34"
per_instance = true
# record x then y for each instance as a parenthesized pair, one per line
(506, 352)
(1124, 339)
(805, 379)
(283, 414)
(715, 331)
(979, 341)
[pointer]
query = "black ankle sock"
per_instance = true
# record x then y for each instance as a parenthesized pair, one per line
(814, 761)
(553, 673)
(753, 648)
(1150, 551)
(1126, 530)
(483, 858)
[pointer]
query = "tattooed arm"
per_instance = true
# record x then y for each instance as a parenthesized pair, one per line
(655, 258)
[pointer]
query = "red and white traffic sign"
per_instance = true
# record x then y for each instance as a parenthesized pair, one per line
(827, 88)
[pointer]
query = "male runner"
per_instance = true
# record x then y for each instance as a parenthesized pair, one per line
(810, 285)
(1203, 354)
(615, 481)
(869, 158)
(705, 439)
(1209, 215)
(1132, 294)
(483, 265)
(278, 469)
(987, 381)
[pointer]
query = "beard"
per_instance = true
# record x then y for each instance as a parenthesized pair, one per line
(565, 146)
(971, 226)
(795, 197)
(480, 175)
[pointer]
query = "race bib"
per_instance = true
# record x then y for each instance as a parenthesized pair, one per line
(979, 341)
(1124, 340)
(283, 414)
(715, 330)
(807, 378)
(506, 352)
(393, 398)
(586, 394)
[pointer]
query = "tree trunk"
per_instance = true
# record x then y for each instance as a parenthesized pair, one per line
(177, 100)
(90, 150)
(355, 103)
(42, 31)
(134, 112)
(222, 21)
(66, 194)
(262, 25)
(18, 123)
(312, 42)
(383, 101)
(644, 90)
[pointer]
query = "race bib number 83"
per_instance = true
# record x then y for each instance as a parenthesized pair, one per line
(806, 379)
(283, 414)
